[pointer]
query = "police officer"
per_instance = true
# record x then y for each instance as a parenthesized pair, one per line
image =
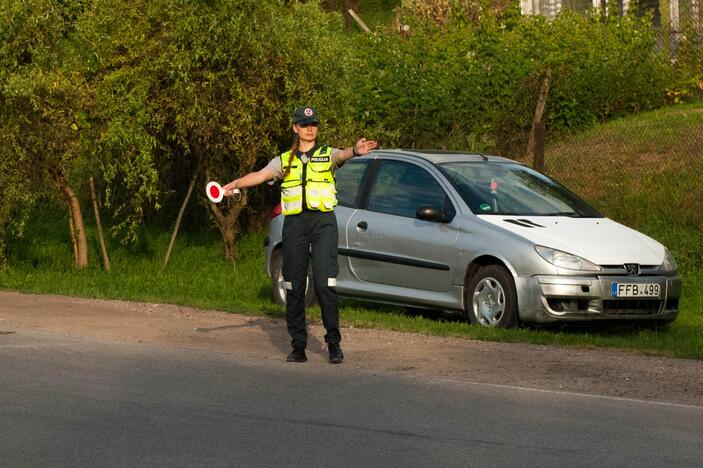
(308, 199)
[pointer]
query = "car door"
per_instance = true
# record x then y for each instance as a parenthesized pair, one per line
(349, 180)
(387, 244)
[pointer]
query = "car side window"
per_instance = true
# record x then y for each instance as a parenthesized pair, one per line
(400, 188)
(348, 180)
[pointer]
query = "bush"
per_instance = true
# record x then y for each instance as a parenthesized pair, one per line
(467, 76)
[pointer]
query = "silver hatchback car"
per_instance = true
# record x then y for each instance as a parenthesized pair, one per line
(487, 237)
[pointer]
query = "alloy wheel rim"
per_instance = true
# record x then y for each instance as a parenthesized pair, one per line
(489, 302)
(281, 284)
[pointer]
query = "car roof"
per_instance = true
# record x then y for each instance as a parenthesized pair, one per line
(444, 156)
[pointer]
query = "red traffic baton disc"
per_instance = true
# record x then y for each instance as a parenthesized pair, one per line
(214, 192)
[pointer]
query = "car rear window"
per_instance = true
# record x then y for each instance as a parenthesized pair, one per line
(348, 182)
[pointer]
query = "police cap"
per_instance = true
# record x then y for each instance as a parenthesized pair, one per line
(305, 115)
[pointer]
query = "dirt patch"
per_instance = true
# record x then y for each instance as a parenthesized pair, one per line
(592, 371)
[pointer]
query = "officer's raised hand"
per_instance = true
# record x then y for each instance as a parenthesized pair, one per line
(362, 147)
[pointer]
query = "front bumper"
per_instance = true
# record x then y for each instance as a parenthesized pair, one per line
(545, 299)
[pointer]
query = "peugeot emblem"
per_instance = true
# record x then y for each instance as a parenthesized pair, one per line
(633, 269)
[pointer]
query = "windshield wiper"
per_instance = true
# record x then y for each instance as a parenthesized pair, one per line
(570, 214)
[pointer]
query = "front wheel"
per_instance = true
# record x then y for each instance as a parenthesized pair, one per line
(491, 300)
(278, 285)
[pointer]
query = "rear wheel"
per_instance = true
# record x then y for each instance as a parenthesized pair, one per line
(278, 285)
(491, 300)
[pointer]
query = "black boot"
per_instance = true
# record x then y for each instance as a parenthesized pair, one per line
(336, 354)
(297, 355)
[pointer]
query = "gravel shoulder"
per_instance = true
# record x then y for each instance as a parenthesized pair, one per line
(591, 371)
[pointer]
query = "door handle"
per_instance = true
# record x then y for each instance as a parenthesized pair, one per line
(362, 226)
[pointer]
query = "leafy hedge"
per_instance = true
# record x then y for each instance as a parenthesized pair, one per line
(469, 76)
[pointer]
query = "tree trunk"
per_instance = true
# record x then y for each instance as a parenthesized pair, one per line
(179, 219)
(539, 110)
(98, 224)
(72, 232)
(226, 219)
(229, 237)
(345, 12)
(538, 160)
(76, 219)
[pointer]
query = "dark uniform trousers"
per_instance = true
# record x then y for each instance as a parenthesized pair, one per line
(301, 232)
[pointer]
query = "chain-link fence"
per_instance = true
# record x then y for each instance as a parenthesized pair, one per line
(636, 172)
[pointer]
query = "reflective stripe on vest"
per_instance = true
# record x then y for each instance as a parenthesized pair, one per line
(318, 184)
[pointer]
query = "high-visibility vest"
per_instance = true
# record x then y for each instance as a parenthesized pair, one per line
(314, 178)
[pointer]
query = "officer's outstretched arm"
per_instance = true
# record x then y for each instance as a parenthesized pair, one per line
(249, 180)
(362, 147)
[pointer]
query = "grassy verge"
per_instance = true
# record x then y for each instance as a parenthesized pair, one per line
(198, 276)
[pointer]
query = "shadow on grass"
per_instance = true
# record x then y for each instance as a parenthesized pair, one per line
(605, 329)
(412, 312)
(265, 292)
(609, 329)
(433, 314)
(274, 311)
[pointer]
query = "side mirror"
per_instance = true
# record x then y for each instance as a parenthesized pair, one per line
(431, 213)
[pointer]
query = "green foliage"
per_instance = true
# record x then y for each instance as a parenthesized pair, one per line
(145, 93)
(16, 201)
(467, 74)
(689, 59)
(209, 87)
(41, 93)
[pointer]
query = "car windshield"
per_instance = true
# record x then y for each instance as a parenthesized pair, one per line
(512, 189)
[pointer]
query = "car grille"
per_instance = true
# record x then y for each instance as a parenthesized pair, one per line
(631, 307)
(645, 270)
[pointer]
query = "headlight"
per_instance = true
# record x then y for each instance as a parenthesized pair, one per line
(669, 263)
(565, 260)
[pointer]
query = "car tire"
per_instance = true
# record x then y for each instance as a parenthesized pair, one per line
(490, 298)
(278, 284)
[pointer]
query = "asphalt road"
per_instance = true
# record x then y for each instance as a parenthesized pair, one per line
(82, 402)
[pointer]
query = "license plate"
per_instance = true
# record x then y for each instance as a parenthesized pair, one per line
(635, 289)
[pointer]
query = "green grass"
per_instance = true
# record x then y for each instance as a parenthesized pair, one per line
(198, 276)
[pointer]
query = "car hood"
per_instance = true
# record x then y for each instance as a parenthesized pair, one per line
(599, 240)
